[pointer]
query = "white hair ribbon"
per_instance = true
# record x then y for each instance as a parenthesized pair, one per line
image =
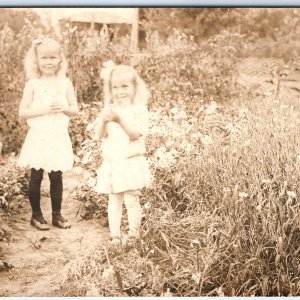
(107, 68)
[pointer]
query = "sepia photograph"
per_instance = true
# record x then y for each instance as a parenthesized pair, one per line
(149, 151)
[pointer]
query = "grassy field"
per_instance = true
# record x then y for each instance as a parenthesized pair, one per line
(222, 215)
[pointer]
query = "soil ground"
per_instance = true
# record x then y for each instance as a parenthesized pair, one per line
(38, 257)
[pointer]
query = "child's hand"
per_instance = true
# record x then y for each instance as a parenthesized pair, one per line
(115, 116)
(110, 114)
(56, 107)
(106, 115)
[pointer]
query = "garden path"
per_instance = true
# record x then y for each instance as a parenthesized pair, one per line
(38, 257)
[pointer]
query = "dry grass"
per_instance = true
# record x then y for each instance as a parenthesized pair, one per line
(222, 216)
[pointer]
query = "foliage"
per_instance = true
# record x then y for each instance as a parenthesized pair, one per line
(13, 46)
(204, 23)
(13, 183)
(168, 61)
(222, 216)
(220, 177)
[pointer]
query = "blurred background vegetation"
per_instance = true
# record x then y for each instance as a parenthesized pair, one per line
(187, 51)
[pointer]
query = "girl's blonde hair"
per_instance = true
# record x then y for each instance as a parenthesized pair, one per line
(141, 92)
(31, 62)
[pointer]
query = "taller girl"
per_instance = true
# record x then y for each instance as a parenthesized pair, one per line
(48, 101)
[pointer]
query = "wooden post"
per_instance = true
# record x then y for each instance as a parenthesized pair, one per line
(134, 36)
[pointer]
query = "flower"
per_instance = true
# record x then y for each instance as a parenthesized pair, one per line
(196, 277)
(195, 243)
(174, 111)
(87, 158)
(91, 182)
(266, 181)
(243, 195)
(207, 140)
(90, 126)
(108, 272)
(147, 205)
(291, 194)
(212, 107)
(169, 143)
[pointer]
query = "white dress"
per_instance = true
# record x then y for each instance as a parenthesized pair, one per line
(48, 145)
(124, 165)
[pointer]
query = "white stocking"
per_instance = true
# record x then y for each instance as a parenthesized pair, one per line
(114, 211)
(134, 210)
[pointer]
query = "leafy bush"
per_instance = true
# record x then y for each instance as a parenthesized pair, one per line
(13, 183)
(14, 45)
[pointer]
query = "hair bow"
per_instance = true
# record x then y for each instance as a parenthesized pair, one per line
(37, 42)
(107, 68)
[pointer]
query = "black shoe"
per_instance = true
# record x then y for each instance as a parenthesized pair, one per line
(59, 221)
(39, 222)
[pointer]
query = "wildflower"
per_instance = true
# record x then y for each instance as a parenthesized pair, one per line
(284, 106)
(211, 160)
(147, 205)
(152, 178)
(92, 290)
(90, 126)
(195, 243)
(169, 143)
(243, 111)
(247, 143)
(195, 136)
(266, 181)
(87, 158)
(182, 114)
(196, 277)
(228, 126)
(267, 93)
(188, 147)
(220, 292)
(212, 107)
(259, 207)
(291, 194)
(226, 190)
(167, 293)
(174, 111)
(206, 140)
(156, 130)
(91, 182)
(243, 195)
(108, 272)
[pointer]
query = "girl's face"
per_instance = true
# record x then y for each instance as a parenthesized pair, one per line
(48, 59)
(122, 88)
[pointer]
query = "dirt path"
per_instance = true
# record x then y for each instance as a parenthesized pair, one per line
(39, 257)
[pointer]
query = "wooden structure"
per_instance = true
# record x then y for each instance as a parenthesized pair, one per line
(100, 16)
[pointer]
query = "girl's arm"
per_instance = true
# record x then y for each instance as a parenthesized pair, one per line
(103, 118)
(100, 128)
(72, 109)
(131, 131)
(138, 127)
(24, 110)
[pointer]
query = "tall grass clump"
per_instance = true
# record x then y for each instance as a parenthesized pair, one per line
(222, 216)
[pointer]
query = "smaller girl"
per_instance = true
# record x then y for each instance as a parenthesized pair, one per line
(122, 126)
(48, 101)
